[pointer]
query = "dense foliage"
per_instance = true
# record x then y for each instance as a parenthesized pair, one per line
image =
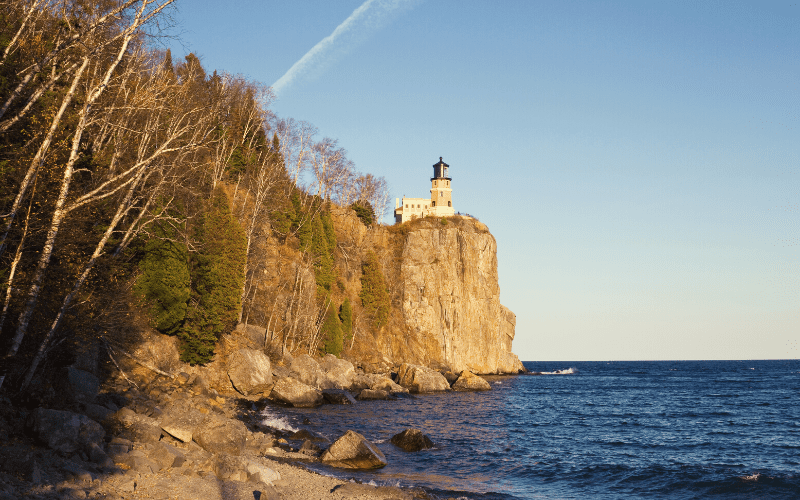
(364, 211)
(374, 294)
(332, 336)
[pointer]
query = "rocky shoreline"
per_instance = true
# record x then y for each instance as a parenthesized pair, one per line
(165, 435)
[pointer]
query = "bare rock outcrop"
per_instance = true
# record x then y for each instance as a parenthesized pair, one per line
(353, 451)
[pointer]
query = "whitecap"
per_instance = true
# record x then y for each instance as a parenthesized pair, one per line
(567, 371)
(274, 421)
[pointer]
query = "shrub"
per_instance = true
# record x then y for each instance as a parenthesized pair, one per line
(364, 211)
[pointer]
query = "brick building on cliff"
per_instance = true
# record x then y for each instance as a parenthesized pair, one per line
(440, 204)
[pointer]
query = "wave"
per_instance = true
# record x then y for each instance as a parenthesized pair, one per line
(274, 421)
(568, 371)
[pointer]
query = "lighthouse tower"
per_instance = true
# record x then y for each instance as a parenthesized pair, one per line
(441, 192)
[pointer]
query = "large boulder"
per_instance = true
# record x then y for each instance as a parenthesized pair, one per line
(180, 421)
(338, 397)
(340, 372)
(64, 431)
(412, 440)
(221, 435)
(371, 395)
(83, 384)
(250, 371)
(386, 384)
(291, 391)
(353, 451)
(308, 371)
(137, 427)
(468, 381)
(419, 379)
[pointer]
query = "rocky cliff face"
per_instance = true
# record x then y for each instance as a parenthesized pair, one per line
(451, 299)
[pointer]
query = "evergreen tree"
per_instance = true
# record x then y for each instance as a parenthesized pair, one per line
(374, 294)
(218, 278)
(346, 317)
(332, 333)
(164, 282)
(364, 211)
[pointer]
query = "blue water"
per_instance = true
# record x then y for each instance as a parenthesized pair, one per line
(664, 429)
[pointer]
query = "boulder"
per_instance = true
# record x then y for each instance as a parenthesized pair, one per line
(353, 451)
(386, 384)
(468, 381)
(84, 385)
(260, 473)
(308, 371)
(309, 448)
(230, 468)
(340, 372)
(64, 431)
(412, 440)
(371, 395)
(308, 435)
(419, 379)
(221, 435)
(361, 381)
(138, 427)
(291, 391)
(166, 455)
(451, 377)
(180, 422)
(250, 371)
(338, 397)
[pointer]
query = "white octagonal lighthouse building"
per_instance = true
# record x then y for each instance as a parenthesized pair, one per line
(440, 204)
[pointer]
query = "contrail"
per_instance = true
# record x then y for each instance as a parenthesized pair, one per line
(366, 19)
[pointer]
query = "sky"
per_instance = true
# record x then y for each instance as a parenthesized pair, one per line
(637, 162)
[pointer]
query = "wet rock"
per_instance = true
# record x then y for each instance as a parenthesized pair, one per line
(340, 372)
(468, 381)
(250, 371)
(353, 451)
(412, 440)
(308, 435)
(419, 379)
(373, 395)
(291, 391)
(221, 435)
(338, 397)
(308, 371)
(309, 448)
(64, 431)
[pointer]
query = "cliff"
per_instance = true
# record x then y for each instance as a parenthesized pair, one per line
(446, 311)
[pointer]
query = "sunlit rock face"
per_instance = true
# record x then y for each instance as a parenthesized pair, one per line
(451, 300)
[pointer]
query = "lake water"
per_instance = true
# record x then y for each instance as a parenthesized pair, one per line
(607, 430)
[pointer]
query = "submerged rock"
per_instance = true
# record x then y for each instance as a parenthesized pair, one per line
(353, 451)
(412, 440)
(468, 381)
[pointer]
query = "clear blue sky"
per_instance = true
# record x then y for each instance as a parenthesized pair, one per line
(637, 162)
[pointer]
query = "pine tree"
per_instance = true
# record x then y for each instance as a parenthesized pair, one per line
(164, 283)
(332, 333)
(218, 278)
(374, 294)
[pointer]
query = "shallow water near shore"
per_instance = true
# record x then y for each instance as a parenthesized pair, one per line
(667, 429)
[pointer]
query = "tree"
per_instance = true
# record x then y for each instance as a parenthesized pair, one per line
(374, 294)
(217, 280)
(332, 338)
(346, 317)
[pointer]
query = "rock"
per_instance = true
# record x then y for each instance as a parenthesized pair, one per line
(96, 412)
(419, 379)
(200, 384)
(372, 395)
(468, 381)
(256, 334)
(451, 377)
(361, 381)
(77, 473)
(291, 391)
(308, 371)
(166, 455)
(64, 431)
(259, 443)
(98, 456)
(281, 371)
(221, 435)
(309, 448)
(338, 397)
(138, 427)
(309, 436)
(84, 385)
(260, 473)
(353, 451)
(180, 422)
(230, 468)
(412, 440)
(182, 378)
(140, 462)
(250, 371)
(340, 372)
(386, 384)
